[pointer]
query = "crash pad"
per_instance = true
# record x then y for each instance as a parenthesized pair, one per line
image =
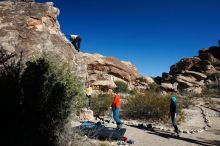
(98, 130)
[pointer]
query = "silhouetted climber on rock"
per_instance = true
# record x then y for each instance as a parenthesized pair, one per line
(76, 40)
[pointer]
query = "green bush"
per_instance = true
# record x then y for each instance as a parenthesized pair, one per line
(154, 88)
(101, 103)
(121, 87)
(148, 106)
(41, 98)
(213, 76)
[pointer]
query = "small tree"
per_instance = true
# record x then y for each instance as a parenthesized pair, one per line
(39, 98)
(101, 103)
(121, 87)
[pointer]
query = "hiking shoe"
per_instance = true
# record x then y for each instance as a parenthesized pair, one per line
(121, 143)
(119, 126)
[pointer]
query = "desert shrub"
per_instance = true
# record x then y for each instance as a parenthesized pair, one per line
(212, 76)
(39, 98)
(186, 101)
(217, 75)
(101, 103)
(149, 106)
(208, 100)
(121, 87)
(141, 79)
(211, 91)
(146, 106)
(154, 88)
(133, 92)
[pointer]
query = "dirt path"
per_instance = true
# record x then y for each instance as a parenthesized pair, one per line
(160, 138)
(195, 120)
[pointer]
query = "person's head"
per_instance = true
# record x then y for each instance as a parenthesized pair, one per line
(87, 85)
(173, 99)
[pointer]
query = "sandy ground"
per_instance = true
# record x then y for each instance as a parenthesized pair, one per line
(160, 138)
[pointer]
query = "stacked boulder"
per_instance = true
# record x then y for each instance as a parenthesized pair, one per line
(194, 74)
(104, 71)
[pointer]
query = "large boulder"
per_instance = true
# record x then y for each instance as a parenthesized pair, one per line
(169, 86)
(212, 52)
(32, 28)
(197, 75)
(183, 65)
(103, 85)
(193, 90)
(188, 81)
(103, 69)
(149, 80)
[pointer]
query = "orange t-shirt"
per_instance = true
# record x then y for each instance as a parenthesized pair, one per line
(116, 102)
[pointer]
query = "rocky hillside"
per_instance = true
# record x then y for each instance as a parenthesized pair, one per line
(194, 74)
(32, 28)
(103, 71)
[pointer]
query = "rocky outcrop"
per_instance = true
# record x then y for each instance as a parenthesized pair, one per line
(194, 74)
(169, 86)
(33, 28)
(103, 71)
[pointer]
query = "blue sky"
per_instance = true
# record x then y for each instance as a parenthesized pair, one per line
(152, 34)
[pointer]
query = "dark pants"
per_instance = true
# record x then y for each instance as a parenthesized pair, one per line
(89, 97)
(173, 119)
(76, 43)
(116, 116)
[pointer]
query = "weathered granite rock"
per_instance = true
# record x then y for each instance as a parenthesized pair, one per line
(169, 86)
(86, 115)
(149, 80)
(33, 28)
(103, 71)
(194, 90)
(196, 73)
(212, 53)
(188, 81)
(183, 65)
(105, 84)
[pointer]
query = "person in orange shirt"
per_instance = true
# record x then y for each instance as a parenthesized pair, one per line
(116, 109)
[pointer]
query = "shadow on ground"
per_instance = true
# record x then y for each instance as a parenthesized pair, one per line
(171, 135)
(166, 134)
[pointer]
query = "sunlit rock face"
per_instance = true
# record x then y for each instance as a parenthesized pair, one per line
(33, 28)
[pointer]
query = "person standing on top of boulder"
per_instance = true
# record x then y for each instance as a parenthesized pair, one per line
(76, 40)
(173, 113)
(116, 109)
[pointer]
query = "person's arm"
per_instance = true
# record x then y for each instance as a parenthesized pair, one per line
(113, 102)
(176, 110)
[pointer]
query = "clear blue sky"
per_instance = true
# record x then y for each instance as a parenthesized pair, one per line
(152, 34)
